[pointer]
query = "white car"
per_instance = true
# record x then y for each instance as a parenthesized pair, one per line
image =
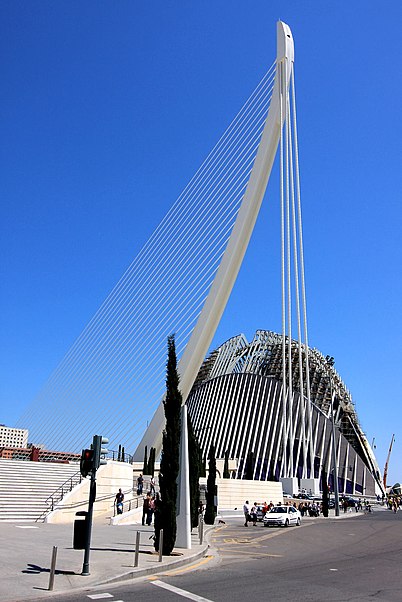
(282, 516)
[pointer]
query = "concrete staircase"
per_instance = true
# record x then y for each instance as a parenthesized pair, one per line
(25, 487)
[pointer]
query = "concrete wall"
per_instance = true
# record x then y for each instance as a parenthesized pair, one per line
(110, 478)
(232, 493)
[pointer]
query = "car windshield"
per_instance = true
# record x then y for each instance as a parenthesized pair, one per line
(278, 510)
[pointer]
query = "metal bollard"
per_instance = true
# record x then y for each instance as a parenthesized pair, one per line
(160, 544)
(201, 530)
(137, 548)
(52, 568)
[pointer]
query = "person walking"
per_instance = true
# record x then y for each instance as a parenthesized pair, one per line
(145, 508)
(253, 514)
(140, 484)
(246, 510)
(151, 508)
(119, 499)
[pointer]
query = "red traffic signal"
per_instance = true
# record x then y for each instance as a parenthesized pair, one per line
(87, 462)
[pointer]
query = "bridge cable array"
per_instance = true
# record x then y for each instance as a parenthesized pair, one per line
(113, 377)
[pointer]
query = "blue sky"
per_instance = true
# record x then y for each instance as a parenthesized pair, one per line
(108, 108)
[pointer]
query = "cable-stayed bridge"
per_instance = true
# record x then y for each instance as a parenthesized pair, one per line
(112, 379)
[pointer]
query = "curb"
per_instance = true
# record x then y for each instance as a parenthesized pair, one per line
(160, 568)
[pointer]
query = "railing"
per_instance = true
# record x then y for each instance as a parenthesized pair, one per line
(120, 456)
(59, 494)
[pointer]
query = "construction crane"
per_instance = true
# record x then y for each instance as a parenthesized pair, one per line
(387, 462)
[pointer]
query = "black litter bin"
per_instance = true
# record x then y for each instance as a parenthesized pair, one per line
(80, 531)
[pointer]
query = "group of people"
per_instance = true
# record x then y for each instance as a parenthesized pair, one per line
(394, 503)
(251, 512)
(140, 484)
(312, 509)
(148, 508)
(149, 500)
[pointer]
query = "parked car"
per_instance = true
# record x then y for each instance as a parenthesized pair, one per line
(282, 516)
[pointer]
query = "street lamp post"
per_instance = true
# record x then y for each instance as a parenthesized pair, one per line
(330, 363)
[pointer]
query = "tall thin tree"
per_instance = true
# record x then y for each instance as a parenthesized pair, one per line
(165, 514)
(145, 465)
(194, 454)
(226, 473)
(210, 509)
(151, 461)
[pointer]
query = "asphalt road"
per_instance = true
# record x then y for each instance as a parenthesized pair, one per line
(358, 558)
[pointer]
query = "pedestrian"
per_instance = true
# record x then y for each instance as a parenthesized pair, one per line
(145, 508)
(253, 514)
(140, 484)
(119, 499)
(246, 510)
(152, 485)
(151, 508)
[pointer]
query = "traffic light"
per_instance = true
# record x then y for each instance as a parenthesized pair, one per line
(99, 451)
(87, 462)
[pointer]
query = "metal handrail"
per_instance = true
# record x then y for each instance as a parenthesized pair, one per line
(119, 457)
(66, 487)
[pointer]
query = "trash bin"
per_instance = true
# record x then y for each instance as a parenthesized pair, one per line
(80, 531)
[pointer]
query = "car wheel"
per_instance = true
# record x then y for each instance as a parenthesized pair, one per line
(287, 522)
(298, 522)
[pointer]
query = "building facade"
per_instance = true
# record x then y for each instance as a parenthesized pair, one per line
(239, 405)
(13, 437)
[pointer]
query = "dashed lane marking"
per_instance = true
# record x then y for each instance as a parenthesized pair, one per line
(180, 592)
(100, 596)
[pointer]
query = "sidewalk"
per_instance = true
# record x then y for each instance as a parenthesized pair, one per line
(26, 553)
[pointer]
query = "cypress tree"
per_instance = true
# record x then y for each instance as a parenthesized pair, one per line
(203, 472)
(165, 515)
(226, 473)
(324, 493)
(250, 465)
(194, 453)
(145, 465)
(151, 461)
(210, 509)
(123, 456)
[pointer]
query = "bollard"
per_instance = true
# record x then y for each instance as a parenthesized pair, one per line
(201, 530)
(52, 569)
(160, 544)
(137, 548)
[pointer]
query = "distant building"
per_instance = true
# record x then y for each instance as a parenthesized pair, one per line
(13, 437)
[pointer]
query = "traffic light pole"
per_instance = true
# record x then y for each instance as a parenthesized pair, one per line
(92, 496)
(91, 459)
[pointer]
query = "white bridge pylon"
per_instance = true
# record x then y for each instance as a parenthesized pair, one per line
(209, 318)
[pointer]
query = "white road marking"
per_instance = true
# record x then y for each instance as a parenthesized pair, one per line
(180, 592)
(26, 527)
(333, 569)
(100, 596)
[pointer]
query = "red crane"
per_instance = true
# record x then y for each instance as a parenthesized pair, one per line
(387, 462)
